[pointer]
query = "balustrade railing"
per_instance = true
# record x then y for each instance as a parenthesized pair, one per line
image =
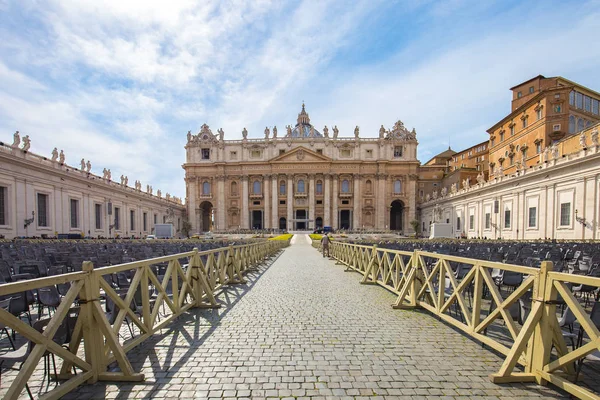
(147, 295)
(511, 308)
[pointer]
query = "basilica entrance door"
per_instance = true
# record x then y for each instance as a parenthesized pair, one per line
(205, 216)
(282, 224)
(344, 219)
(257, 219)
(396, 216)
(301, 219)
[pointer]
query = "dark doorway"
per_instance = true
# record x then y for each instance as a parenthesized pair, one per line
(319, 222)
(301, 219)
(257, 219)
(282, 224)
(345, 219)
(205, 217)
(397, 216)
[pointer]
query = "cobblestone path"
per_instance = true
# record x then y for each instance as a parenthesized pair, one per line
(302, 327)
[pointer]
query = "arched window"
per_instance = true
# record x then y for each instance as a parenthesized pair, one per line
(580, 125)
(345, 186)
(206, 188)
(300, 186)
(368, 186)
(234, 188)
(571, 124)
(319, 187)
(256, 187)
(282, 187)
(398, 186)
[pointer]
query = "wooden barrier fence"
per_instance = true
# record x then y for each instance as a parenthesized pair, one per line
(534, 344)
(150, 303)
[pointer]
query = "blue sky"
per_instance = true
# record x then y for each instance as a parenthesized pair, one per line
(121, 82)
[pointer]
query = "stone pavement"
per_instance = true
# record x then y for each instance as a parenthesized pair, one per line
(304, 328)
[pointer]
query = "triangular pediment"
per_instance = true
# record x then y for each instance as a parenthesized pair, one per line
(301, 154)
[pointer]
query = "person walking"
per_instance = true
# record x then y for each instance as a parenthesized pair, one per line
(325, 244)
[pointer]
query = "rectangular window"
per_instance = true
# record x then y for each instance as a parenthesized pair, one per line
(233, 155)
(74, 213)
(587, 103)
(397, 151)
(512, 130)
(595, 105)
(345, 153)
(205, 154)
(319, 151)
(117, 218)
(539, 114)
(471, 222)
(155, 218)
(572, 98)
(532, 217)
(145, 221)
(557, 108)
(488, 220)
(255, 154)
(458, 223)
(565, 214)
(579, 98)
(538, 147)
(164, 219)
(345, 202)
(319, 202)
(98, 215)
(524, 122)
(556, 127)
(256, 203)
(282, 202)
(506, 219)
(131, 220)
(519, 95)
(369, 153)
(281, 152)
(42, 209)
(531, 89)
(3, 205)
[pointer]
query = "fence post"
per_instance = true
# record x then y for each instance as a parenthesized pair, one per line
(417, 281)
(540, 344)
(200, 284)
(92, 337)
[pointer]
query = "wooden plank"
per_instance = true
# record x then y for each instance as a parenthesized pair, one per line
(67, 386)
(37, 283)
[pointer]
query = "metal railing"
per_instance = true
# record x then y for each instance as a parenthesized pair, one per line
(474, 302)
(150, 302)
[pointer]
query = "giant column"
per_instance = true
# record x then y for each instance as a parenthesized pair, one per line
(267, 202)
(191, 204)
(334, 199)
(356, 203)
(221, 204)
(290, 202)
(311, 201)
(275, 203)
(380, 201)
(412, 205)
(327, 202)
(245, 222)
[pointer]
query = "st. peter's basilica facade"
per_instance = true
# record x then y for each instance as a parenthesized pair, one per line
(302, 179)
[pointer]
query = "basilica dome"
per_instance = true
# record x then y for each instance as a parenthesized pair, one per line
(303, 127)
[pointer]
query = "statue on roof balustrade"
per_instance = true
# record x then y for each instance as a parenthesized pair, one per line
(326, 131)
(267, 132)
(26, 143)
(244, 133)
(16, 139)
(274, 132)
(356, 132)
(54, 154)
(381, 132)
(82, 164)
(61, 157)
(221, 134)
(335, 132)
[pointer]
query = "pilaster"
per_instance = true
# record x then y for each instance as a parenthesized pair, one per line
(311, 201)
(245, 222)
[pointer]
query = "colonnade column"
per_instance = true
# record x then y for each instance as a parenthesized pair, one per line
(327, 202)
(275, 203)
(356, 203)
(267, 202)
(245, 222)
(221, 203)
(289, 202)
(311, 202)
(334, 199)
